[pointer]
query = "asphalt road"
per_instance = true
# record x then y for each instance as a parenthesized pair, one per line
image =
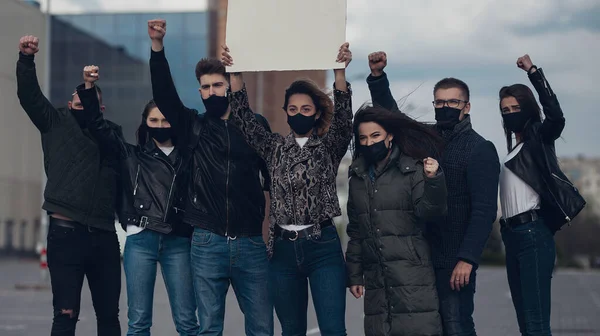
(575, 306)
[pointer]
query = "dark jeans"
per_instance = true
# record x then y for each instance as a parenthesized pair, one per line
(293, 265)
(218, 262)
(77, 252)
(530, 255)
(456, 307)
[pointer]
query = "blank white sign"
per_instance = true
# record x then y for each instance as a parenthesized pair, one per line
(265, 35)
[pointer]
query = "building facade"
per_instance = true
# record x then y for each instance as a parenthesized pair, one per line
(119, 45)
(20, 146)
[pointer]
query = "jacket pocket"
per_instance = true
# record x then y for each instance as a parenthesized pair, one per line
(141, 204)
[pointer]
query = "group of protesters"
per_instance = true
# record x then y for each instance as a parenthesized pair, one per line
(218, 199)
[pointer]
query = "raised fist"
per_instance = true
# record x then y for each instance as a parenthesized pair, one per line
(28, 45)
(344, 54)
(430, 167)
(377, 62)
(91, 74)
(524, 63)
(157, 29)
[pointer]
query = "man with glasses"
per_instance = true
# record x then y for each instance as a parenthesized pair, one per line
(472, 170)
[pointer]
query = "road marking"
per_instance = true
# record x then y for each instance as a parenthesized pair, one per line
(12, 327)
(313, 331)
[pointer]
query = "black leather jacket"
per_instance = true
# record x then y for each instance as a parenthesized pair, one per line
(149, 178)
(226, 194)
(537, 165)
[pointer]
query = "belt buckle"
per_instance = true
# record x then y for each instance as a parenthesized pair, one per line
(143, 222)
(295, 238)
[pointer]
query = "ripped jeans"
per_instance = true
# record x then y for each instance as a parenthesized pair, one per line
(75, 253)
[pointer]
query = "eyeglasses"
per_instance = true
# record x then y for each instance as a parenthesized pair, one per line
(450, 103)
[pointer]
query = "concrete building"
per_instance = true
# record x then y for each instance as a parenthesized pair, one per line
(20, 147)
(265, 89)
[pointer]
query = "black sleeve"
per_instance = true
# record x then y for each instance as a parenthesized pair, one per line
(381, 95)
(166, 97)
(554, 123)
(109, 137)
(264, 171)
(483, 173)
(36, 105)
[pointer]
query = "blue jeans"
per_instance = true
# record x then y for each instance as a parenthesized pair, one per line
(530, 255)
(293, 265)
(456, 307)
(143, 251)
(242, 262)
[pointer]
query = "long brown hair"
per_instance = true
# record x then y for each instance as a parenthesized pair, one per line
(323, 102)
(414, 139)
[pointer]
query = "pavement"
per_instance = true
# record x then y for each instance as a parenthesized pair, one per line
(27, 311)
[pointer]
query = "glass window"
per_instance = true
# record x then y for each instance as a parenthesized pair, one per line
(126, 24)
(104, 26)
(196, 24)
(174, 23)
(194, 50)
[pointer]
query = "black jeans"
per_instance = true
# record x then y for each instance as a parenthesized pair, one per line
(456, 307)
(77, 252)
(530, 256)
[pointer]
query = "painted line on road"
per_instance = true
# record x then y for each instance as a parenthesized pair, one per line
(313, 331)
(12, 327)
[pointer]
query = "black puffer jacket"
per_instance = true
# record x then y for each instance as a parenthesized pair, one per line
(387, 252)
(82, 179)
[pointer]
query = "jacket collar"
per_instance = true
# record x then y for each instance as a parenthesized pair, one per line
(290, 141)
(405, 163)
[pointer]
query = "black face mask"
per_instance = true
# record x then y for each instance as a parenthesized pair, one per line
(447, 117)
(83, 118)
(515, 122)
(160, 134)
(375, 152)
(301, 124)
(216, 106)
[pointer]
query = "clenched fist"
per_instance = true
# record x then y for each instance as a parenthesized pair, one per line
(377, 62)
(344, 54)
(157, 29)
(430, 166)
(524, 62)
(29, 45)
(91, 74)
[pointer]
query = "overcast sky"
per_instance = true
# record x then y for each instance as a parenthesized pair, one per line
(476, 41)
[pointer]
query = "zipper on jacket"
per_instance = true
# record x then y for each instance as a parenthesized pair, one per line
(560, 179)
(137, 174)
(227, 186)
(168, 204)
(567, 218)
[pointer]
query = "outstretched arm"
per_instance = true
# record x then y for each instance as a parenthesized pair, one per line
(255, 133)
(110, 139)
(379, 85)
(36, 105)
(554, 123)
(163, 88)
(339, 135)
